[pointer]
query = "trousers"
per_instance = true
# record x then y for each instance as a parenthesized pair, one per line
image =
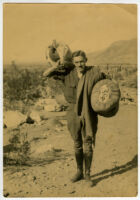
(76, 127)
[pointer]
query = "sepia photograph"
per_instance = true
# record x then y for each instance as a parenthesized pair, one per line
(70, 100)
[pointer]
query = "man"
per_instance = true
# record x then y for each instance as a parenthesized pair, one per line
(81, 118)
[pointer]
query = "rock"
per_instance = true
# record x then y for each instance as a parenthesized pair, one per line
(46, 148)
(49, 105)
(47, 101)
(128, 96)
(34, 178)
(13, 119)
(34, 116)
(54, 122)
(29, 120)
(39, 107)
(6, 194)
(60, 99)
(41, 191)
(52, 105)
(71, 192)
(40, 102)
(64, 122)
(41, 148)
(20, 191)
(19, 174)
(4, 126)
(50, 108)
(49, 92)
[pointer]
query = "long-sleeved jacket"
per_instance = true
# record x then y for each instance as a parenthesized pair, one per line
(78, 92)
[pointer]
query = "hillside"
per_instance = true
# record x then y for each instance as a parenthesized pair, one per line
(123, 51)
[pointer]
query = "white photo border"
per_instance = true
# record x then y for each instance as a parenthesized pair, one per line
(1, 85)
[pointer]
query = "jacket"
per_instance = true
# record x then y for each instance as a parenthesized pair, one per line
(79, 92)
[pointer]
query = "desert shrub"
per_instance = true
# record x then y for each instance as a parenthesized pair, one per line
(21, 85)
(24, 86)
(18, 149)
(117, 76)
(56, 86)
(119, 72)
(132, 71)
(124, 74)
(131, 82)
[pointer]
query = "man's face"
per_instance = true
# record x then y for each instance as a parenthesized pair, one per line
(80, 63)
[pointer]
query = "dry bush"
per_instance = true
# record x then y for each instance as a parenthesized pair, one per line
(21, 86)
(125, 75)
(130, 82)
(56, 86)
(24, 86)
(18, 149)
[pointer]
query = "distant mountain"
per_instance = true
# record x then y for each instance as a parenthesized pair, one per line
(123, 51)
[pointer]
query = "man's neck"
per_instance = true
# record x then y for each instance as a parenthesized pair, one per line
(80, 74)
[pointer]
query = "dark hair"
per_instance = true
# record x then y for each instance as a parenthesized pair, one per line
(79, 53)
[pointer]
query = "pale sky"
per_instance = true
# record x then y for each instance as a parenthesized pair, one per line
(29, 28)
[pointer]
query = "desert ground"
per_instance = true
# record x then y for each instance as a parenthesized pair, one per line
(52, 164)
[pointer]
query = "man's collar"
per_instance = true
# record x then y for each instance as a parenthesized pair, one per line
(85, 70)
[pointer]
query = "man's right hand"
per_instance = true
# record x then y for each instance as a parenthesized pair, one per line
(49, 71)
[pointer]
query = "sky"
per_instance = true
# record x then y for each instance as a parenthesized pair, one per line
(29, 28)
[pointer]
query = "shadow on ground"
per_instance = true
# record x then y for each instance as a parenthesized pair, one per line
(115, 171)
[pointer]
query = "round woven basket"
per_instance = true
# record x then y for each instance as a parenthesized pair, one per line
(105, 98)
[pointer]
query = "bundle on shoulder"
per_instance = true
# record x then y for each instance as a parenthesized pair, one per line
(105, 98)
(59, 58)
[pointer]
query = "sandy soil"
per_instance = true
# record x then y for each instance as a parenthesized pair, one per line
(114, 167)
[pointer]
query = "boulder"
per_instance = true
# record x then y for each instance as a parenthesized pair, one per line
(35, 116)
(60, 99)
(52, 108)
(41, 150)
(13, 119)
(51, 105)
